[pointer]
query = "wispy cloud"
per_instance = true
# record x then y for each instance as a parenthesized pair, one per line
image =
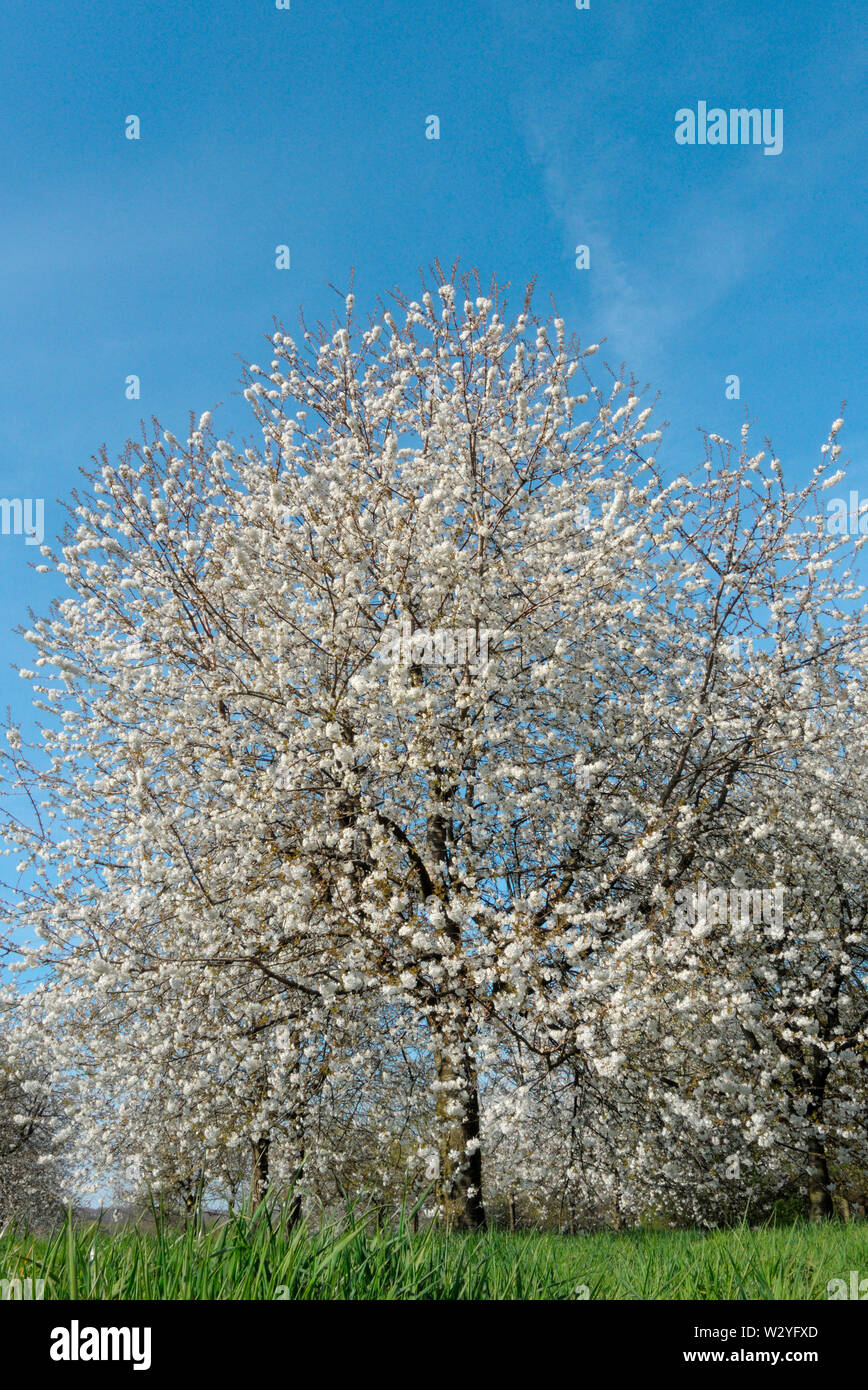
(692, 256)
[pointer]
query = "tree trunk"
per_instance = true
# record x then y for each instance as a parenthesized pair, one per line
(259, 1170)
(820, 1205)
(459, 1183)
(191, 1193)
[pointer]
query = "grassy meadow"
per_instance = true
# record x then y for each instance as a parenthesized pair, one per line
(245, 1258)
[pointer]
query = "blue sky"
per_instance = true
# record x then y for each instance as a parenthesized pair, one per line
(306, 127)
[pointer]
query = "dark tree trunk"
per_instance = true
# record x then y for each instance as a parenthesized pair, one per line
(190, 1191)
(820, 1204)
(259, 1170)
(459, 1185)
(459, 1181)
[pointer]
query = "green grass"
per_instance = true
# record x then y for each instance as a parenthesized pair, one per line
(244, 1259)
